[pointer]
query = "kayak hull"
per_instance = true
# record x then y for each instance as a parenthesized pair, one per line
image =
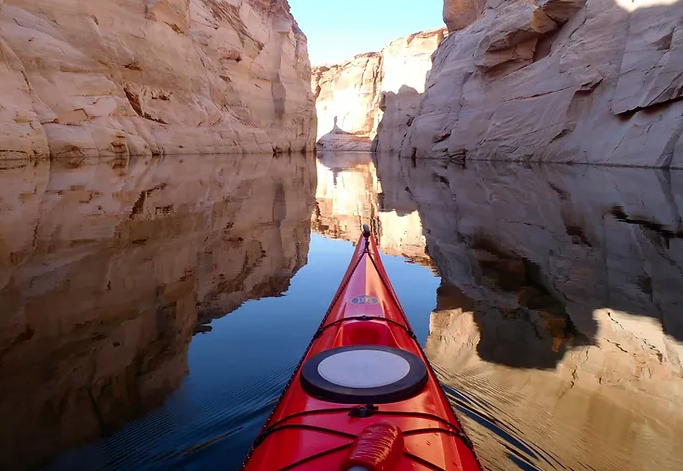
(317, 423)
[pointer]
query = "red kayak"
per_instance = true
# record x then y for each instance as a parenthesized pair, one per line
(364, 397)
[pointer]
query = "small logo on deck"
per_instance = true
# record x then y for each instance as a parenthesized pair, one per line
(365, 300)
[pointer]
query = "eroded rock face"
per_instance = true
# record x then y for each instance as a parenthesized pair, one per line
(352, 98)
(458, 14)
(559, 306)
(347, 96)
(125, 77)
(106, 269)
(593, 81)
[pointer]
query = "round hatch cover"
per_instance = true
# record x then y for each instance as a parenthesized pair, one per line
(364, 373)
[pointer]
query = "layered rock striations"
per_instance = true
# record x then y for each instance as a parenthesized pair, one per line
(354, 97)
(127, 77)
(107, 268)
(589, 81)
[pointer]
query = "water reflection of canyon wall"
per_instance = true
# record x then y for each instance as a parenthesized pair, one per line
(561, 302)
(107, 268)
(350, 194)
(558, 321)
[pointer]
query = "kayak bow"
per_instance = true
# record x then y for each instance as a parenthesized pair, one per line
(364, 397)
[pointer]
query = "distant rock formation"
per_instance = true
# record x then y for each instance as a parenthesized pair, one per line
(153, 77)
(107, 268)
(588, 81)
(352, 98)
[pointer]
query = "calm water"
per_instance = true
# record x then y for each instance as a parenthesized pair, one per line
(548, 299)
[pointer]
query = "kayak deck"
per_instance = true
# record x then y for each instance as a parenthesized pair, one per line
(317, 423)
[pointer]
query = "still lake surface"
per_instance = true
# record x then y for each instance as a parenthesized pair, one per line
(548, 299)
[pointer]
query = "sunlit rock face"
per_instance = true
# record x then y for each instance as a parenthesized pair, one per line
(127, 77)
(458, 14)
(349, 195)
(347, 100)
(593, 81)
(560, 305)
(108, 266)
(352, 98)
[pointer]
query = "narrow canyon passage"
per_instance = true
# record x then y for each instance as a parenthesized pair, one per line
(182, 183)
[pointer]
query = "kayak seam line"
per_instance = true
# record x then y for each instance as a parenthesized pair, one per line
(316, 456)
(394, 297)
(270, 431)
(365, 318)
(423, 461)
(345, 283)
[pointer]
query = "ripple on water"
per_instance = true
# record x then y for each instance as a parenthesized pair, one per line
(514, 430)
(184, 435)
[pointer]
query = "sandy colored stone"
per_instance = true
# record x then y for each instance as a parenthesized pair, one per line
(650, 71)
(352, 98)
(204, 76)
(561, 11)
(108, 265)
(602, 86)
(21, 134)
(563, 413)
(346, 96)
(458, 14)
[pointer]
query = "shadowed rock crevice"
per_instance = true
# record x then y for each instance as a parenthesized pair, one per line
(398, 112)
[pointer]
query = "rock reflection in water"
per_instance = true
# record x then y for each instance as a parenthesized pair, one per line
(350, 194)
(107, 268)
(557, 330)
(560, 316)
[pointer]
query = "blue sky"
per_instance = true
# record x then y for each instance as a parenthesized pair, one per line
(337, 30)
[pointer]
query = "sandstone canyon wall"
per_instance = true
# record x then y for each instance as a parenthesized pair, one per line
(107, 268)
(587, 81)
(152, 77)
(352, 98)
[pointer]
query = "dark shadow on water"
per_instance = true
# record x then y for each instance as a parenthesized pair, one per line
(541, 249)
